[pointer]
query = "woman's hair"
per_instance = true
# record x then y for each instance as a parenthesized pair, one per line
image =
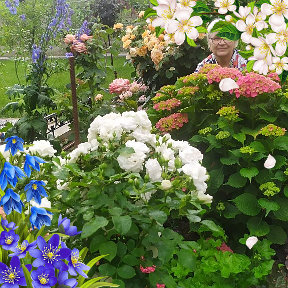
(210, 27)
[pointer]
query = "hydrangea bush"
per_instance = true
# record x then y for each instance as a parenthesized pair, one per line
(242, 133)
(31, 257)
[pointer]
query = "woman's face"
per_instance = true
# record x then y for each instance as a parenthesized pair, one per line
(221, 47)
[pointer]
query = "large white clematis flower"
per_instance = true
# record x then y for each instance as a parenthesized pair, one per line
(263, 50)
(278, 9)
(280, 37)
(185, 24)
(225, 6)
(279, 65)
(243, 12)
(186, 5)
(165, 12)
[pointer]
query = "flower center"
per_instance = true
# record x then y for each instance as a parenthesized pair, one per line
(225, 4)
(168, 14)
(249, 29)
(279, 8)
(50, 254)
(264, 48)
(282, 37)
(10, 275)
(14, 141)
(34, 186)
(9, 240)
(43, 278)
(75, 259)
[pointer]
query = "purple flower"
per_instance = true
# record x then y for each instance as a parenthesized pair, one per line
(43, 277)
(75, 266)
(6, 225)
(14, 143)
(36, 53)
(65, 228)
(33, 162)
(22, 17)
(65, 281)
(12, 276)
(11, 201)
(35, 190)
(84, 29)
(12, 7)
(50, 254)
(21, 250)
(8, 240)
(10, 174)
(69, 54)
(39, 217)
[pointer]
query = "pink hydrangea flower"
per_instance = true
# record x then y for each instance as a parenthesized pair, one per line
(224, 247)
(167, 105)
(171, 122)
(219, 73)
(137, 87)
(119, 85)
(160, 285)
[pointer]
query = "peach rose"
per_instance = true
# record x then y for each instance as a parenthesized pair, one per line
(69, 39)
(85, 37)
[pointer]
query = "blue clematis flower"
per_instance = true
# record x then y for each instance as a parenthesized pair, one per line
(12, 276)
(75, 266)
(14, 143)
(21, 250)
(10, 174)
(8, 226)
(35, 190)
(65, 281)
(33, 162)
(9, 240)
(40, 217)
(11, 201)
(43, 277)
(49, 253)
(65, 228)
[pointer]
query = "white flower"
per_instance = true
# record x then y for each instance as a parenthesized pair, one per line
(225, 6)
(227, 84)
(270, 162)
(42, 147)
(61, 185)
(251, 241)
(5, 154)
(165, 12)
(246, 27)
(205, 198)
(143, 135)
(229, 18)
(278, 9)
(186, 5)
(197, 172)
(190, 154)
(133, 162)
(165, 184)
(82, 149)
(279, 64)
(154, 170)
(184, 25)
(280, 37)
(243, 12)
(261, 66)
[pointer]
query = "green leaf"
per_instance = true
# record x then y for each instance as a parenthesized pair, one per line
(130, 259)
(95, 242)
(286, 191)
(282, 212)
(201, 29)
(122, 223)
(107, 269)
(246, 54)
(27, 276)
(159, 216)
(108, 248)
(258, 146)
(258, 227)
(91, 227)
(149, 12)
(231, 160)
(191, 42)
(250, 65)
(241, 137)
(281, 143)
(229, 31)
(247, 204)
(126, 272)
(92, 284)
(268, 205)
(249, 172)
(216, 178)
(236, 181)
(154, 2)
(186, 259)
(277, 235)
(201, 7)
(212, 226)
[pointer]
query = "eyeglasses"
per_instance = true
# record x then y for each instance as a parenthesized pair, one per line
(218, 40)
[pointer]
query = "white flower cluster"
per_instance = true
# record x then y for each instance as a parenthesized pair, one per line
(148, 150)
(41, 147)
(269, 46)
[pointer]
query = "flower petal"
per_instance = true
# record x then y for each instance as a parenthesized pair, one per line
(251, 241)
(227, 84)
(270, 162)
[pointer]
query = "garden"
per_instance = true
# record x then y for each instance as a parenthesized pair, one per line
(172, 171)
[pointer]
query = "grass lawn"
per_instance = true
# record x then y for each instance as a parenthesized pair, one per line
(59, 80)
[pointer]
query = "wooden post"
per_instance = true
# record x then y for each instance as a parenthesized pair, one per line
(74, 102)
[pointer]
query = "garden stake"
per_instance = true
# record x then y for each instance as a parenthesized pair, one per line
(74, 101)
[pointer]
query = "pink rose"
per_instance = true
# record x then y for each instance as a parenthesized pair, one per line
(79, 47)
(119, 86)
(69, 39)
(85, 37)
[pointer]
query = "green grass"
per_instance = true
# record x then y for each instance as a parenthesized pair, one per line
(59, 80)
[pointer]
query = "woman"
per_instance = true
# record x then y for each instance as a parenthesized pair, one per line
(223, 51)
